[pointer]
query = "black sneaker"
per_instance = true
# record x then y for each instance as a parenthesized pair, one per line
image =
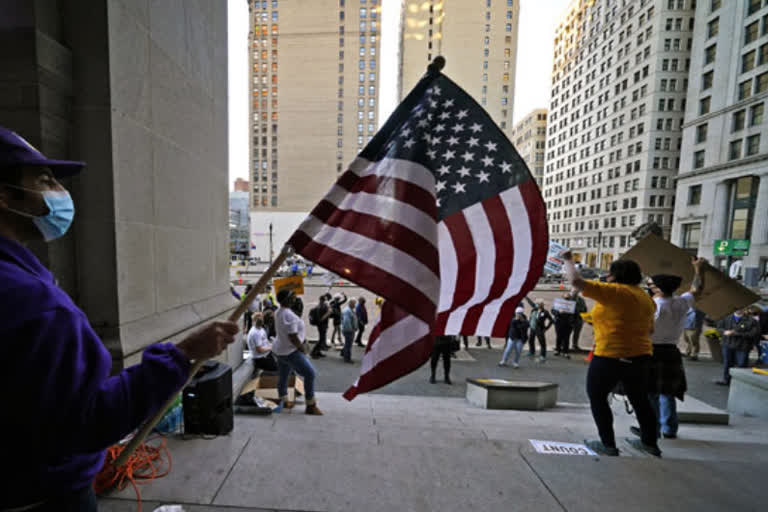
(636, 430)
(599, 448)
(668, 436)
(638, 444)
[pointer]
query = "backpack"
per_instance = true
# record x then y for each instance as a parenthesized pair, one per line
(314, 314)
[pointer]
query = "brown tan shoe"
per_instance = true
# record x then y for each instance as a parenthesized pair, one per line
(313, 410)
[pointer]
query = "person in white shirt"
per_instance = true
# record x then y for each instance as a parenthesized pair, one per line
(290, 351)
(667, 380)
(260, 347)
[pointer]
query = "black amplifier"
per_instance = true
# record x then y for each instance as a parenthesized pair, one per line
(207, 401)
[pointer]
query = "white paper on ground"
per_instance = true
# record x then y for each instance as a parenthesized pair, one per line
(560, 448)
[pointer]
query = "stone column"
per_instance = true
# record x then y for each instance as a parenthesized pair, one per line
(759, 235)
(719, 215)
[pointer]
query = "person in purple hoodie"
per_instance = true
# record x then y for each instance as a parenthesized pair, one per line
(56, 386)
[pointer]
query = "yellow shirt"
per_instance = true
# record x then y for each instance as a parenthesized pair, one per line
(622, 319)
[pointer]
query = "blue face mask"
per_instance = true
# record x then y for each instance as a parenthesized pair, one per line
(61, 211)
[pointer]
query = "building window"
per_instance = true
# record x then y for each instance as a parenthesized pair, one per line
(698, 159)
(706, 80)
(744, 197)
(751, 32)
(701, 133)
(745, 89)
(762, 83)
(753, 145)
(704, 104)
(738, 120)
(734, 149)
(753, 6)
(715, 5)
(713, 27)
(756, 115)
(748, 61)
(507, 27)
(709, 54)
(764, 54)
(691, 236)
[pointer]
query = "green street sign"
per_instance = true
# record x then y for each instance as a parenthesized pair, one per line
(732, 247)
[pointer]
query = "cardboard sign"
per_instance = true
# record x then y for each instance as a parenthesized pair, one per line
(564, 305)
(558, 448)
(293, 283)
(721, 296)
(554, 263)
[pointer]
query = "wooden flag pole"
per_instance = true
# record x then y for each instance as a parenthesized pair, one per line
(233, 317)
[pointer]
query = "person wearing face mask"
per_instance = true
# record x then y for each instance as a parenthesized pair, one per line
(739, 332)
(57, 387)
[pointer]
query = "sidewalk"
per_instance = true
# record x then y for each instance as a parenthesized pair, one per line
(384, 453)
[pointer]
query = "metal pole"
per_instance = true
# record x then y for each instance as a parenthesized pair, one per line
(599, 249)
(270, 243)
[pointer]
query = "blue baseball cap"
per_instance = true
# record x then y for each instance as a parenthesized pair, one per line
(15, 151)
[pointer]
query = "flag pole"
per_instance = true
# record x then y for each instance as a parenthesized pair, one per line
(233, 317)
(437, 65)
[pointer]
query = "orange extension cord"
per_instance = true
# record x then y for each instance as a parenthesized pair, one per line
(146, 463)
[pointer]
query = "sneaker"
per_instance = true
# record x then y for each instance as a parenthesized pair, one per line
(286, 405)
(515, 366)
(693, 358)
(313, 410)
(722, 383)
(599, 448)
(432, 380)
(542, 360)
(668, 436)
(448, 381)
(567, 356)
(638, 444)
(531, 355)
(502, 364)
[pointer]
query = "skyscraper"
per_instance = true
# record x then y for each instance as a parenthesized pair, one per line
(722, 196)
(314, 97)
(529, 136)
(619, 81)
(479, 42)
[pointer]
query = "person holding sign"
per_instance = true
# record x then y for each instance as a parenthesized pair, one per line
(623, 321)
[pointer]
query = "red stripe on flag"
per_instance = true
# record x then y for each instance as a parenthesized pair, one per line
(464, 247)
(401, 190)
(534, 205)
(366, 275)
(401, 363)
(503, 244)
(380, 230)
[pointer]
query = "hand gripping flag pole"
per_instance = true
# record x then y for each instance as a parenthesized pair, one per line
(259, 287)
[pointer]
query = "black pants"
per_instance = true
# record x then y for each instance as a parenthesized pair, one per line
(247, 322)
(359, 338)
(602, 376)
(268, 363)
(576, 335)
(563, 335)
(533, 335)
(445, 351)
(322, 344)
(487, 341)
(466, 342)
(336, 332)
(83, 500)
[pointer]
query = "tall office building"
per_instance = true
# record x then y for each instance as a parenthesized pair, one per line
(314, 100)
(530, 139)
(479, 42)
(619, 80)
(722, 197)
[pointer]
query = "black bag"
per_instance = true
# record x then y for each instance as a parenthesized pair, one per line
(313, 315)
(455, 344)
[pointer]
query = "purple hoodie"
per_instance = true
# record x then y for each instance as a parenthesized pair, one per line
(61, 408)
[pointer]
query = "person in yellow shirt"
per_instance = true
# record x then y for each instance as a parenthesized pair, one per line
(622, 321)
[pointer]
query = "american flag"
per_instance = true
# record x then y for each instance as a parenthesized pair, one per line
(438, 215)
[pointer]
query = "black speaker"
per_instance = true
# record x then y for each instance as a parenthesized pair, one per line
(207, 401)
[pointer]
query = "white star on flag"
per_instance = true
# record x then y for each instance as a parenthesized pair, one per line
(439, 186)
(457, 127)
(432, 154)
(476, 128)
(448, 103)
(452, 141)
(443, 169)
(408, 143)
(487, 161)
(458, 187)
(467, 156)
(462, 114)
(506, 167)
(491, 146)
(483, 176)
(472, 142)
(464, 172)
(449, 154)
(422, 123)
(435, 140)
(439, 128)
(444, 116)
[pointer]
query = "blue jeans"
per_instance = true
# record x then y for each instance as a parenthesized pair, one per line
(349, 338)
(299, 363)
(665, 408)
(512, 344)
(731, 358)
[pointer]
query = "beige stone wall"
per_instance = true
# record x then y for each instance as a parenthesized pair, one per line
(458, 31)
(529, 132)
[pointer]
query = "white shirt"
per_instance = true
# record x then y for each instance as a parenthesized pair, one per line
(670, 318)
(257, 337)
(286, 323)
